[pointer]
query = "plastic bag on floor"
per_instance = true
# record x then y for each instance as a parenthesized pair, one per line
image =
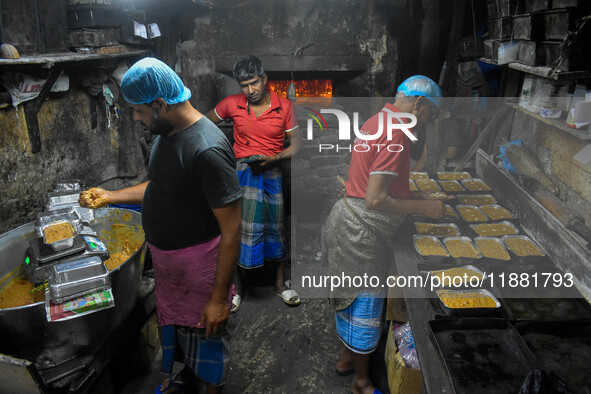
(406, 345)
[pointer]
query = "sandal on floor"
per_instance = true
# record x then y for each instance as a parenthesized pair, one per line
(236, 301)
(173, 384)
(289, 296)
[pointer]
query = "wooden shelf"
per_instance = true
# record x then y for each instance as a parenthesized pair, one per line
(541, 71)
(557, 123)
(49, 59)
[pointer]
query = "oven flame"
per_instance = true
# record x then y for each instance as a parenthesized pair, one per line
(304, 88)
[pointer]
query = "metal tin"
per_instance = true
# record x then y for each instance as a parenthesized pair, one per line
(485, 225)
(449, 233)
(45, 218)
(453, 175)
(86, 215)
(413, 187)
(427, 185)
(62, 199)
(519, 258)
(67, 185)
(76, 278)
(466, 267)
(472, 199)
(414, 175)
(497, 241)
(451, 186)
(62, 243)
(449, 213)
(483, 185)
(461, 207)
(430, 257)
(462, 259)
(484, 208)
(468, 311)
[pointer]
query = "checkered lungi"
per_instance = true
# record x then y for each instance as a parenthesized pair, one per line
(359, 326)
(262, 215)
(208, 358)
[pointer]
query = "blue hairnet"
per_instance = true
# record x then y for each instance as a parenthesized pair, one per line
(151, 78)
(419, 85)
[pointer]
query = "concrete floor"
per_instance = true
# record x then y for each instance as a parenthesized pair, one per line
(276, 349)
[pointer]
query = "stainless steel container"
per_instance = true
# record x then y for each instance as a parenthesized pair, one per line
(76, 278)
(25, 332)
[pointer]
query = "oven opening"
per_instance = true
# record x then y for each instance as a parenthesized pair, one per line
(304, 88)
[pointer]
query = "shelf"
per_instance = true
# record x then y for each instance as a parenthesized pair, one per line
(557, 123)
(540, 71)
(49, 59)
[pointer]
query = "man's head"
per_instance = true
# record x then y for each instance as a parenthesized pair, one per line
(251, 77)
(151, 87)
(424, 95)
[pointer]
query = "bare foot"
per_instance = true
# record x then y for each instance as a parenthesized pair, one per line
(362, 387)
(344, 366)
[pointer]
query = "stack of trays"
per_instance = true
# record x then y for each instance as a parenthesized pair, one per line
(77, 278)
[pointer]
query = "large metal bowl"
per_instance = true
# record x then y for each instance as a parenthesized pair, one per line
(25, 332)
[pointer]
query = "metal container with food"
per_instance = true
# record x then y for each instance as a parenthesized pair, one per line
(437, 229)
(453, 175)
(62, 199)
(47, 217)
(449, 213)
(492, 249)
(67, 184)
(497, 212)
(414, 175)
(461, 249)
(413, 187)
(76, 278)
(465, 272)
(451, 186)
(497, 229)
(475, 185)
(477, 302)
(476, 199)
(471, 213)
(59, 235)
(523, 249)
(427, 185)
(430, 248)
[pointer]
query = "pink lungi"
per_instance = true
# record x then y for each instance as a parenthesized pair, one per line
(184, 282)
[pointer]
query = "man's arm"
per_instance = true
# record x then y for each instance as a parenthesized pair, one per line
(97, 197)
(295, 143)
(215, 312)
(213, 116)
(378, 199)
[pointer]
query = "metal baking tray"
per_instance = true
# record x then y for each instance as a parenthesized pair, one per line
(432, 183)
(76, 278)
(427, 257)
(453, 175)
(466, 267)
(485, 225)
(451, 226)
(451, 186)
(483, 355)
(483, 208)
(497, 241)
(61, 244)
(484, 186)
(462, 259)
(481, 311)
(62, 199)
(412, 185)
(472, 199)
(519, 258)
(47, 217)
(418, 175)
(461, 207)
(86, 215)
(67, 185)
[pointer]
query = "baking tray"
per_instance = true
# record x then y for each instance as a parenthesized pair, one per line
(497, 241)
(67, 185)
(431, 271)
(413, 186)
(451, 186)
(470, 187)
(47, 217)
(480, 311)
(523, 259)
(511, 215)
(62, 199)
(562, 348)
(483, 355)
(469, 199)
(431, 183)
(413, 175)
(461, 208)
(76, 278)
(548, 309)
(484, 225)
(61, 244)
(466, 259)
(453, 175)
(444, 219)
(437, 227)
(430, 258)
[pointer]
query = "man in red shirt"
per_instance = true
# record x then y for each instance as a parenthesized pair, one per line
(262, 122)
(360, 225)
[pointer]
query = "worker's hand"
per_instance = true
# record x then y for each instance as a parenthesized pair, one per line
(266, 160)
(215, 315)
(432, 195)
(433, 208)
(94, 198)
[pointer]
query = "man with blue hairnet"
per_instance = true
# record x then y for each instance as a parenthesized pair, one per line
(191, 220)
(361, 225)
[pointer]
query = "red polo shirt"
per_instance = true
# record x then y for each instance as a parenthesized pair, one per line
(380, 156)
(258, 136)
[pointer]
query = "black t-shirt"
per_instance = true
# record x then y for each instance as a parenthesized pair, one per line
(190, 173)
